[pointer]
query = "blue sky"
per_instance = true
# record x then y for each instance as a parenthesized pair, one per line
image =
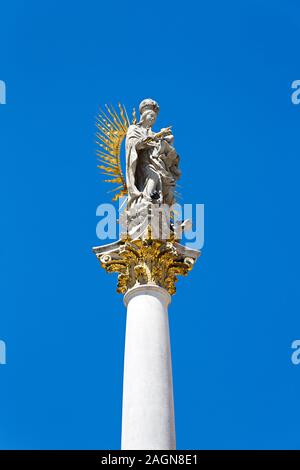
(222, 74)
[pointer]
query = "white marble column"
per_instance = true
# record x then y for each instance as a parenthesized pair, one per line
(148, 408)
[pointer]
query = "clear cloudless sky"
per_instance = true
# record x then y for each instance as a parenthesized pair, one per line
(222, 74)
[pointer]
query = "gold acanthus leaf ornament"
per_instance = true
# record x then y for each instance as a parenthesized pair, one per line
(147, 262)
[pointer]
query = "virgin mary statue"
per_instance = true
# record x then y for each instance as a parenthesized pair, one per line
(151, 161)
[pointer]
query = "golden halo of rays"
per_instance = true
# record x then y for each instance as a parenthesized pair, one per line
(112, 127)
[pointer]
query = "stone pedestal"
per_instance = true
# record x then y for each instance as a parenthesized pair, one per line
(148, 409)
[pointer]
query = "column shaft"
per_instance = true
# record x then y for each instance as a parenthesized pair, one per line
(148, 408)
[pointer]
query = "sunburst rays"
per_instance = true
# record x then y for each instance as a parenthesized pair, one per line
(112, 127)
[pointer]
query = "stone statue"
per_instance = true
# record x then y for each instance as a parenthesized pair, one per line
(151, 163)
(148, 251)
(151, 160)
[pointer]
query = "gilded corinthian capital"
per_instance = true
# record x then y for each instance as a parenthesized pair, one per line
(146, 261)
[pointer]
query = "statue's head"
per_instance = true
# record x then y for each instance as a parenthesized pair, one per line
(148, 110)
